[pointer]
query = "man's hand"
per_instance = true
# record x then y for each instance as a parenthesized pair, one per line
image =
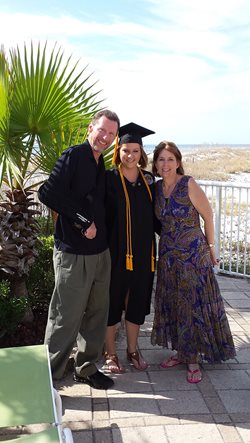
(90, 233)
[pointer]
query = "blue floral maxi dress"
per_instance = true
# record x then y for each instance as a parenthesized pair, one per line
(189, 310)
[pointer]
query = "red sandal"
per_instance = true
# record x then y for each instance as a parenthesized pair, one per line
(112, 363)
(193, 373)
(137, 361)
(170, 362)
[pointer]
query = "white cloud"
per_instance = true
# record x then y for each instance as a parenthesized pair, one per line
(185, 70)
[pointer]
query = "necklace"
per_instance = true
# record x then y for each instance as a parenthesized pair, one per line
(168, 189)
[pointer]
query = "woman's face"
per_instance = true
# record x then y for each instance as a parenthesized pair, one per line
(130, 154)
(166, 164)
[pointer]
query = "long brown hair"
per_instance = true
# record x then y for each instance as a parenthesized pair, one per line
(171, 147)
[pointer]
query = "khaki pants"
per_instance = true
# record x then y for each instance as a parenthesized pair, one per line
(78, 311)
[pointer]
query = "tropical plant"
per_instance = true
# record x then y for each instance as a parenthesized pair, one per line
(11, 309)
(45, 106)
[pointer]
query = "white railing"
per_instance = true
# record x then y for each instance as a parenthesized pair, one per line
(231, 206)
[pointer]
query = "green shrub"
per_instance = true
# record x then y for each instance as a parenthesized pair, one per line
(12, 309)
(40, 281)
(46, 225)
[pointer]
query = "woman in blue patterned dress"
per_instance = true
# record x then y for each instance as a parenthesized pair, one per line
(189, 311)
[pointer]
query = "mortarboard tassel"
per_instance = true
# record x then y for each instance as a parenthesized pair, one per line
(129, 255)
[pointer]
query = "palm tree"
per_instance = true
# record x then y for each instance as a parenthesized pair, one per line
(45, 106)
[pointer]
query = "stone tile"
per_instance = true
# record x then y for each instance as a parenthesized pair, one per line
(240, 303)
(101, 411)
(155, 355)
(235, 327)
(235, 401)
(244, 432)
(181, 402)
(139, 435)
(243, 355)
(147, 326)
(227, 379)
(226, 283)
(206, 388)
(233, 295)
(229, 433)
(73, 389)
(128, 422)
(99, 402)
(103, 436)
(215, 405)
(222, 418)
(219, 366)
(241, 340)
(236, 366)
(85, 436)
(132, 405)
(197, 418)
(159, 404)
(100, 424)
(145, 343)
(129, 382)
(98, 395)
(171, 379)
(193, 433)
(77, 409)
(79, 425)
(245, 315)
(161, 420)
(242, 284)
(240, 417)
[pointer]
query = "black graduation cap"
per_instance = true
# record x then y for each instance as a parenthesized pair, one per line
(133, 133)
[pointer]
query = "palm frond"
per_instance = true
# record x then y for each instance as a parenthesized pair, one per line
(108, 154)
(51, 105)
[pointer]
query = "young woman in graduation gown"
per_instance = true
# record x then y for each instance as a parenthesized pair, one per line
(130, 221)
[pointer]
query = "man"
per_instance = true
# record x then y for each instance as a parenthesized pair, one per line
(80, 300)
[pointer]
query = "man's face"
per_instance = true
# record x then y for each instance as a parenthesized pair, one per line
(102, 134)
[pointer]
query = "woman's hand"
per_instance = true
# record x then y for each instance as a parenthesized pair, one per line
(215, 261)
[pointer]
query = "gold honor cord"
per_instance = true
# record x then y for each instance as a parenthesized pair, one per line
(129, 255)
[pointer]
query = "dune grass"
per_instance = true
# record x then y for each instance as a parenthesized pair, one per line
(216, 164)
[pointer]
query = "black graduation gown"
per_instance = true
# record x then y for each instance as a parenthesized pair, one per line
(139, 281)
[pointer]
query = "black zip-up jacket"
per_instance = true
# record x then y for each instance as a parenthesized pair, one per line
(75, 190)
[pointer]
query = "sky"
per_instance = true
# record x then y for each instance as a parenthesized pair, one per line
(178, 67)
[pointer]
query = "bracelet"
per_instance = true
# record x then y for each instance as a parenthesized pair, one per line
(211, 245)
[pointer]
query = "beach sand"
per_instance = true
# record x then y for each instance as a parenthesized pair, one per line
(223, 164)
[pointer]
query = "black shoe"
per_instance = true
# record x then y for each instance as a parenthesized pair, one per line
(97, 380)
(69, 367)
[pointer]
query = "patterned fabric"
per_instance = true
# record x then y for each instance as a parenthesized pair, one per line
(189, 310)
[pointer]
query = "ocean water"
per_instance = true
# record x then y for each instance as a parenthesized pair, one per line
(190, 147)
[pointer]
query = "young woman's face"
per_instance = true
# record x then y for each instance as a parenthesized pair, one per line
(130, 154)
(166, 164)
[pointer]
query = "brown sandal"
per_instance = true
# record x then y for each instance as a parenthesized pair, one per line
(136, 360)
(112, 363)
